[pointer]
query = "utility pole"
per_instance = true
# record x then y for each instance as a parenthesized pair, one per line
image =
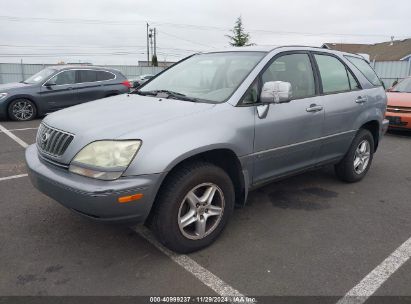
(148, 48)
(151, 41)
(155, 42)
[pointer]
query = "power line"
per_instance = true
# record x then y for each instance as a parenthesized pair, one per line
(193, 26)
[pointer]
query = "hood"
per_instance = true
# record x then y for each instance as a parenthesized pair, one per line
(399, 99)
(112, 117)
(10, 86)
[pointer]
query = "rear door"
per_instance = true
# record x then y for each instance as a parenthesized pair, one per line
(61, 92)
(340, 94)
(287, 139)
(90, 86)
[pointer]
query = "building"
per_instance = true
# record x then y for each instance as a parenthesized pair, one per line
(163, 64)
(395, 50)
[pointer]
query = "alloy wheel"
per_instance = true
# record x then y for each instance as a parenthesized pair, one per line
(362, 156)
(23, 110)
(201, 211)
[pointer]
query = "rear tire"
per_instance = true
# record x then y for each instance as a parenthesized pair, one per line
(22, 109)
(192, 207)
(356, 163)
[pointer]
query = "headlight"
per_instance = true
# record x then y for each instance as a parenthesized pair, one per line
(105, 159)
(3, 95)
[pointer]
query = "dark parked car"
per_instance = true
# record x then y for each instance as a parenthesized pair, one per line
(58, 87)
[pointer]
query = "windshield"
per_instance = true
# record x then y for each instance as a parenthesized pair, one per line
(40, 76)
(404, 86)
(209, 77)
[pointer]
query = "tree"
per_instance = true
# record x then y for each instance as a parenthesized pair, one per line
(154, 61)
(240, 37)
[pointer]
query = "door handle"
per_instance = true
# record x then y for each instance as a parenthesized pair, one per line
(361, 99)
(314, 108)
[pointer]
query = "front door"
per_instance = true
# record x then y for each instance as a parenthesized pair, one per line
(59, 92)
(288, 138)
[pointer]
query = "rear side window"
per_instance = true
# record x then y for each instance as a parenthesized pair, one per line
(365, 69)
(87, 76)
(333, 74)
(102, 75)
(295, 69)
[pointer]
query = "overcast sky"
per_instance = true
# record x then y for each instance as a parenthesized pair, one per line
(46, 31)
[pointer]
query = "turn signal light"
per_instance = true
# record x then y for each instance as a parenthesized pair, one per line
(130, 198)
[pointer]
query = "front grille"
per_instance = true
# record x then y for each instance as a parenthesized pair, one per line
(52, 141)
(394, 109)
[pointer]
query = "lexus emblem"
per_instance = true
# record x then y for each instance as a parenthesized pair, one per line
(44, 138)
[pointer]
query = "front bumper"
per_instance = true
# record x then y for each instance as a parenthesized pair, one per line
(95, 199)
(399, 120)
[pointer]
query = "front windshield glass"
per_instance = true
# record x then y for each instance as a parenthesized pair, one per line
(209, 77)
(40, 76)
(404, 86)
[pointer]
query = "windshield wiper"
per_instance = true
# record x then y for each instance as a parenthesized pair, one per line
(168, 94)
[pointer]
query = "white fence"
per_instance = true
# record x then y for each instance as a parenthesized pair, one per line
(15, 72)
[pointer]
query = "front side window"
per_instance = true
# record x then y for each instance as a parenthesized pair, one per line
(209, 77)
(333, 74)
(365, 69)
(65, 77)
(40, 76)
(87, 76)
(295, 69)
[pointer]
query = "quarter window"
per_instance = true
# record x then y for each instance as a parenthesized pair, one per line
(65, 77)
(102, 75)
(333, 74)
(87, 76)
(365, 69)
(295, 69)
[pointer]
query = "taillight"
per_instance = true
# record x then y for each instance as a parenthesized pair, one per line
(126, 83)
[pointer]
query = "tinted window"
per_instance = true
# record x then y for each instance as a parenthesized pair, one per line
(66, 77)
(102, 75)
(295, 69)
(333, 74)
(365, 69)
(252, 94)
(87, 76)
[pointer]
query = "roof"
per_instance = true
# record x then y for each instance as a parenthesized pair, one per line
(77, 66)
(384, 51)
(267, 49)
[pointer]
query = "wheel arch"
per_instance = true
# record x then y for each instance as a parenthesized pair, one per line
(221, 157)
(374, 127)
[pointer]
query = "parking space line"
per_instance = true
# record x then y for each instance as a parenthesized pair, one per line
(206, 277)
(12, 177)
(14, 137)
(22, 129)
(369, 285)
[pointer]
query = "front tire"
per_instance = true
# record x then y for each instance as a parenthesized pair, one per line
(356, 163)
(193, 207)
(22, 109)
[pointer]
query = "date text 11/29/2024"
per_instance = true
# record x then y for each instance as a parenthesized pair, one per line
(205, 299)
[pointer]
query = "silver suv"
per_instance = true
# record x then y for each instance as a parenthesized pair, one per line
(179, 153)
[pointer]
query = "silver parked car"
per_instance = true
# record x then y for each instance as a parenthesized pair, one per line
(189, 145)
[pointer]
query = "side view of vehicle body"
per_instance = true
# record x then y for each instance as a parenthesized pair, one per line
(58, 87)
(399, 105)
(189, 145)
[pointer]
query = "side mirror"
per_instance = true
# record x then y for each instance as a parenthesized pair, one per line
(276, 92)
